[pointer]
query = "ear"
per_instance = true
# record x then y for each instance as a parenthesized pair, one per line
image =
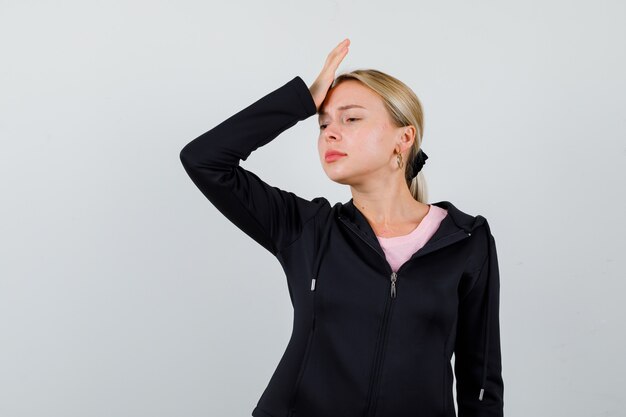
(407, 137)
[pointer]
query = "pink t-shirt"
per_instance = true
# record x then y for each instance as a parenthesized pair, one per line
(399, 249)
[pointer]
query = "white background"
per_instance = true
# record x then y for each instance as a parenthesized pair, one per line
(124, 292)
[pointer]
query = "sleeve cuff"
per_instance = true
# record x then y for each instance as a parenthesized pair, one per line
(305, 96)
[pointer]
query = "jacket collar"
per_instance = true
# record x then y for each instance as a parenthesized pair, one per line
(455, 225)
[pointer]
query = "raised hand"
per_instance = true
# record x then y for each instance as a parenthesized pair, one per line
(322, 83)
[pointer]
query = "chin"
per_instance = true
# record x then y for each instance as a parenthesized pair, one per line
(338, 176)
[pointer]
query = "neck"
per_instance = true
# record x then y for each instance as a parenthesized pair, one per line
(388, 205)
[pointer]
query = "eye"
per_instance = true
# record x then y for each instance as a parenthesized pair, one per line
(349, 118)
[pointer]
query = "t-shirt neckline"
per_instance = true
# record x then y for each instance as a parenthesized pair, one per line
(411, 233)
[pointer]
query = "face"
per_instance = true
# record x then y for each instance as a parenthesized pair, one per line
(365, 135)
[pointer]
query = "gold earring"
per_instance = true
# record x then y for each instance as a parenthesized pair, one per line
(399, 160)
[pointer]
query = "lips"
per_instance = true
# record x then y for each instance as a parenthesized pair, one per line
(333, 155)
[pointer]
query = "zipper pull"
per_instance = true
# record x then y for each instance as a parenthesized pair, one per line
(393, 284)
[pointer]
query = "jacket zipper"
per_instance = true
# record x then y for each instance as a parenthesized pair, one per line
(378, 360)
(379, 354)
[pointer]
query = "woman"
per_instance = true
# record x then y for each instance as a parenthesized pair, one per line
(385, 288)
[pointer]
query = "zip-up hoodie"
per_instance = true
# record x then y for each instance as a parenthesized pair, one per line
(366, 341)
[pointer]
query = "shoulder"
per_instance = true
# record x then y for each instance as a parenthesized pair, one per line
(462, 218)
(478, 229)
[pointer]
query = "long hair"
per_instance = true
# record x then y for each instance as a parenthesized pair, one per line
(405, 109)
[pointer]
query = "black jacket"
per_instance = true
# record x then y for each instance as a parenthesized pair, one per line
(365, 341)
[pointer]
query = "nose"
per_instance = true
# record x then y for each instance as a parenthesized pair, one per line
(330, 133)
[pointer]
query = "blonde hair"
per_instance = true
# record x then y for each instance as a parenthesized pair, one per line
(405, 109)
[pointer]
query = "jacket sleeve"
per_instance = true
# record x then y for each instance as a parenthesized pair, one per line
(272, 217)
(477, 363)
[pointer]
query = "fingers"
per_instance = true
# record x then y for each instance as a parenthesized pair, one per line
(339, 51)
(336, 55)
(343, 44)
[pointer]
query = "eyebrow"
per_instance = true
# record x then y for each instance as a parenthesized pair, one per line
(347, 106)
